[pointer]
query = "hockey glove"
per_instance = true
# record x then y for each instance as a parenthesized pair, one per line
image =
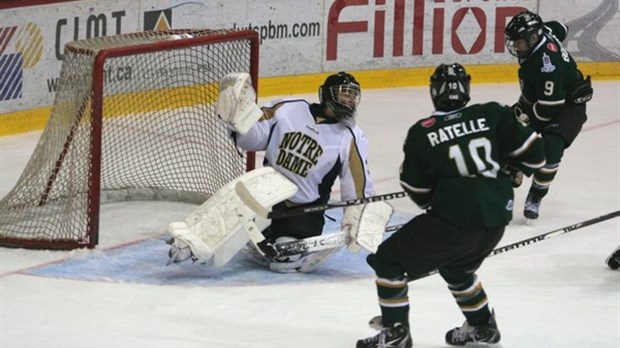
(366, 225)
(581, 92)
(520, 110)
(236, 104)
(350, 224)
(516, 176)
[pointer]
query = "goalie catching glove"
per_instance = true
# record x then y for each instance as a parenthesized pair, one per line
(236, 104)
(365, 225)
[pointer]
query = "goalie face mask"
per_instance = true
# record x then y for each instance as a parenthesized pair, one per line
(342, 94)
(523, 33)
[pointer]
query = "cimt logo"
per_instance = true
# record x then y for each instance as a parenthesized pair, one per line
(21, 47)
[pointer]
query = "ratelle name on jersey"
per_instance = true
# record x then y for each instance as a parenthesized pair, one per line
(457, 130)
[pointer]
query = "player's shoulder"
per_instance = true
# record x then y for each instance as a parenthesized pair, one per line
(355, 131)
(545, 58)
(284, 106)
(491, 106)
(439, 119)
(550, 49)
(491, 109)
(558, 29)
(424, 123)
(417, 133)
(288, 102)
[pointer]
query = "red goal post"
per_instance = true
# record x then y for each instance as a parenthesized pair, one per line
(133, 119)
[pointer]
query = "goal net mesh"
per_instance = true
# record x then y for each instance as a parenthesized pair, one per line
(133, 119)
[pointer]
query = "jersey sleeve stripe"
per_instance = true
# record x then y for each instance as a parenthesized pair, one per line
(526, 145)
(356, 164)
(544, 119)
(535, 165)
(551, 102)
(414, 189)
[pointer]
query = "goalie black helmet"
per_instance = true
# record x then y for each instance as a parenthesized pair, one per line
(526, 26)
(450, 87)
(342, 94)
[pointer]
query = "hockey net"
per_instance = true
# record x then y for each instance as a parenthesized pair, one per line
(133, 119)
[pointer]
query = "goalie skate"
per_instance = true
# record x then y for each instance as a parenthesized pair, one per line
(179, 251)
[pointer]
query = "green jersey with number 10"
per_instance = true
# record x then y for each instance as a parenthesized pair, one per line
(455, 163)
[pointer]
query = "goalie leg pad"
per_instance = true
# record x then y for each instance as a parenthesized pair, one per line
(214, 229)
(248, 220)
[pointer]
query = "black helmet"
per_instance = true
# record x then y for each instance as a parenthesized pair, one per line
(341, 93)
(450, 87)
(527, 26)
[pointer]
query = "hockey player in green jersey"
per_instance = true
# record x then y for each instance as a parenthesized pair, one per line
(553, 94)
(456, 166)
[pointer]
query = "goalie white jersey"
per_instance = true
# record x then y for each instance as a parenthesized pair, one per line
(311, 151)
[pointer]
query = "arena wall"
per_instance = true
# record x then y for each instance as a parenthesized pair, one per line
(385, 43)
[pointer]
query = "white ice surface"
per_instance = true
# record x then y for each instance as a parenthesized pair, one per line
(551, 294)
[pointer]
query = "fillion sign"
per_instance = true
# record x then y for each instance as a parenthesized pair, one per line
(431, 21)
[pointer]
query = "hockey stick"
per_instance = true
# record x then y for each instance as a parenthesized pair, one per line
(331, 240)
(554, 233)
(543, 236)
(264, 212)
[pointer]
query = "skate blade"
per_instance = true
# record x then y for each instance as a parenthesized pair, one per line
(376, 323)
(483, 345)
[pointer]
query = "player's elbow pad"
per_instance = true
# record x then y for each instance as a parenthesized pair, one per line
(532, 160)
(422, 200)
(546, 112)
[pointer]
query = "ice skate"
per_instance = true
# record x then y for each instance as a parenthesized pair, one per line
(613, 260)
(397, 336)
(532, 205)
(478, 335)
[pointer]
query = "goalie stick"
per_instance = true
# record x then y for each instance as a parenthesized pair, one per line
(264, 212)
(312, 244)
(543, 236)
